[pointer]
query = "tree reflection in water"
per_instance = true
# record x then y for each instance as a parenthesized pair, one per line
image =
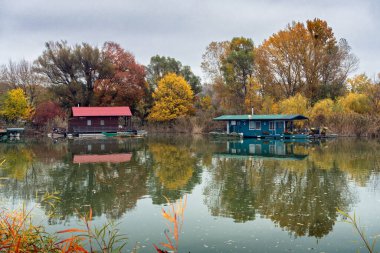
(300, 200)
(296, 185)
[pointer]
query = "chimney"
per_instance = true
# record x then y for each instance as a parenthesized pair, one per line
(252, 111)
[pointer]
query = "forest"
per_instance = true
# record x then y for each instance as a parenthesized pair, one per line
(301, 69)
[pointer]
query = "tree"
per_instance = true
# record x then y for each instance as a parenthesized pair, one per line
(22, 75)
(238, 64)
(359, 83)
(46, 112)
(72, 70)
(354, 102)
(229, 68)
(212, 60)
(322, 111)
(159, 66)
(297, 104)
(173, 98)
(305, 59)
(15, 106)
(125, 85)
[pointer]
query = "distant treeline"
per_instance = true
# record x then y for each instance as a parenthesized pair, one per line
(302, 69)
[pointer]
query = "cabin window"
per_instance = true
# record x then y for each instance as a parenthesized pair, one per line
(271, 125)
(88, 122)
(102, 122)
(255, 125)
(233, 123)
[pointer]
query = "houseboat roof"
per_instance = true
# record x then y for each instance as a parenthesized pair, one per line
(101, 111)
(108, 158)
(262, 117)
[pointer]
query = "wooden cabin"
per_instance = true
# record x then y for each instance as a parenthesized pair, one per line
(99, 119)
(264, 126)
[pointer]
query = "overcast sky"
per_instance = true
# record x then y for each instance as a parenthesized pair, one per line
(178, 28)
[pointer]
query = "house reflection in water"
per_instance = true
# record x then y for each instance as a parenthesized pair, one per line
(273, 149)
(99, 151)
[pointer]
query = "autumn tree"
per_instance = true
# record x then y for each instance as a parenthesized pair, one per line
(22, 75)
(159, 66)
(72, 71)
(229, 67)
(305, 59)
(297, 104)
(322, 110)
(15, 106)
(125, 83)
(364, 85)
(46, 112)
(173, 98)
(354, 103)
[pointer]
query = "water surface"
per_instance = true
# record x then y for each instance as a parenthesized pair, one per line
(242, 196)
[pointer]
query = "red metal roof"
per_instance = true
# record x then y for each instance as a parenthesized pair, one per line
(101, 111)
(110, 158)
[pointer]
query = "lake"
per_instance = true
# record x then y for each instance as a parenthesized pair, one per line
(242, 196)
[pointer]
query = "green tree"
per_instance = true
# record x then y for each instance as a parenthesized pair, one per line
(173, 98)
(159, 66)
(15, 106)
(72, 70)
(237, 67)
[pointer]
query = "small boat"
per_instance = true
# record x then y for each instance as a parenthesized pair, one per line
(109, 134)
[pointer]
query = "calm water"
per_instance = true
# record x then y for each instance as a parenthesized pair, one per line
(243, 196)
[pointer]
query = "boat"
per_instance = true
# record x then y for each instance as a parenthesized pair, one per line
(109, 134)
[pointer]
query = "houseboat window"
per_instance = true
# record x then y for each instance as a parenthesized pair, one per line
(271, 125)
(255, 125)
(233, 123)
(102, 122)
(88, 122)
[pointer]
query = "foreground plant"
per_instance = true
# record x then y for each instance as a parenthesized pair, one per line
(106, 238)
(354, 222)
(175, 218)
(19, 234)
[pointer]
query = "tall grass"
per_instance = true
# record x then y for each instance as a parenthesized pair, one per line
(359, 230)
(175, 217)
(18, 234)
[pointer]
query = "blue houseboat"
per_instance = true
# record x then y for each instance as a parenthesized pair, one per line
(266, 149)
(276, 126)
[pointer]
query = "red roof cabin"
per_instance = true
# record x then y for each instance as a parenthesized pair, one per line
(99, 119)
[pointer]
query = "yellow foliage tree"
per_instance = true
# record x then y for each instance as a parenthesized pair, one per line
(322, 110)
(172, 99)
(15, 106)
(297, 104)
(354, 102)
(268, 105)
(359, 83)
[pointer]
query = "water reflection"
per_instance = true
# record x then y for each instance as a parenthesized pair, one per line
(267, 182)
(297, 185)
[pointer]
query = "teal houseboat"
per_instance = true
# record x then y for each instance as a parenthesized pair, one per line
(276, 126)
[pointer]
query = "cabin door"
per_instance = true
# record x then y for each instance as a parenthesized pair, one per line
(280, 127)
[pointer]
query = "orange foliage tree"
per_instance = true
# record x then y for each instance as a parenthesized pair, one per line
(126, 85)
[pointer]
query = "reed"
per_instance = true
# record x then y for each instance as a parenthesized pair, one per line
(175, 218)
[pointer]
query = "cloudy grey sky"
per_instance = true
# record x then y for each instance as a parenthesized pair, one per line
(178, 28)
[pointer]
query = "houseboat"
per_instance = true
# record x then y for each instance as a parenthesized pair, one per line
(106, 121)
(266, 149)
(275, 126)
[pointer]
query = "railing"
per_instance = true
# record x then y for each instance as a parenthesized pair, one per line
(99, 129)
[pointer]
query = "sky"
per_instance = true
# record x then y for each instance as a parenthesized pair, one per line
(178, 28)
